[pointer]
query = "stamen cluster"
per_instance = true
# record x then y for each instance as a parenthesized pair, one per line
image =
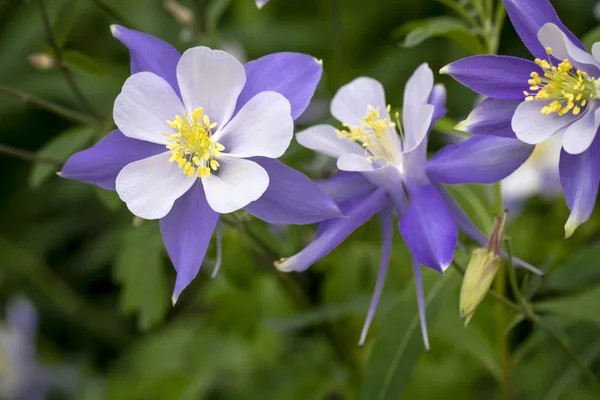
(193, 147)
(371, 124)
(571, 89)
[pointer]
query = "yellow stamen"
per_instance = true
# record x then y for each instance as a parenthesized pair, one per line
(569, 89)
(192, 146)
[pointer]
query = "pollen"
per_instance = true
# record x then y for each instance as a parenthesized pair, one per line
(192, 146)
(569, 88)
(372, 127)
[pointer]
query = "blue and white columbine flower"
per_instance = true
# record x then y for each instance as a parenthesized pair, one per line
(20, 375)
(537, 176)
(384, 167)
(198, 135)
(261, 3)
(532, 101)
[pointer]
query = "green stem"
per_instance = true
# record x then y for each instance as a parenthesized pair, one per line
(564, 345)
(60, 62)
(110, 11)
(337, 40)
(530, 314)
(29, 156)
(47, 105)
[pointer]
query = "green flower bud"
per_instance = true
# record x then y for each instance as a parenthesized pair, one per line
(478, 278)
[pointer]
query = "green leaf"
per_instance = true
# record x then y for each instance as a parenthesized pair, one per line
(399, 343)
(416, 32)
(60, 147)
(83, 64)
(110, 199)
(591, 37)
(140, 272)
(579, 271)
(583, 306)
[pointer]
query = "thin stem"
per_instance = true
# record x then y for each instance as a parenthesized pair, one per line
(111, 12)
(498, 24)
(47, 105)
(337, 39)
(60, 62)
(572, 355)
(28, 155)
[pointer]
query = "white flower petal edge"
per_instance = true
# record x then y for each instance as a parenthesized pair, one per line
(211, 79)
(354, 163)
(551, 36)
(324, 139)
(596, 51)
(415, 109)
(350, 102)
(417, 131)
(236, 184)
(144, 106)
(150, 186)
(533, 127)
(263, 127)
(580, 135)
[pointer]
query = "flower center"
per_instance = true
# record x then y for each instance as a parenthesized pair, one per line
(193, 147)
(371, 133)
(570, 89)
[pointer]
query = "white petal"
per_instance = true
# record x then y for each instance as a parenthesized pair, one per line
(355, 163)
(263, 127)
(533, 127)
(418, 128)
(144, 106)
(416, 95)
(151, 186)
(523, 183)
(551, 36)
(351, 101)
(236, 184)
(211, 79)
(580, 135)
(324, 139)
(596, 50)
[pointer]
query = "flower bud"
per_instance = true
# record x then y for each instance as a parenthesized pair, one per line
(478, 278)
(482, 269)
(180, 13)
(41, 61)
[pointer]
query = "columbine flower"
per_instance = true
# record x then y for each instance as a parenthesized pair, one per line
(261, 3)
(536, 100)
(20, 376)
(537, 176)
(382, 161)
(198, 136)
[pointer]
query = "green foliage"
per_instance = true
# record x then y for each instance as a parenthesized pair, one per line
(59, 148)
(102, 284)
(416, 32)
(399, 344)
(139, 269)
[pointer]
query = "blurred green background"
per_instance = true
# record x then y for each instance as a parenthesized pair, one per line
(102, 281)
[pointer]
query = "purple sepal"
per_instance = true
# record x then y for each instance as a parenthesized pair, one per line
(528, 17)
(291, 197)
(149, 53)
(294, 75)
(480, 159)
(186, 232)
(428, 228)
(101, 163)
(499, 77)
